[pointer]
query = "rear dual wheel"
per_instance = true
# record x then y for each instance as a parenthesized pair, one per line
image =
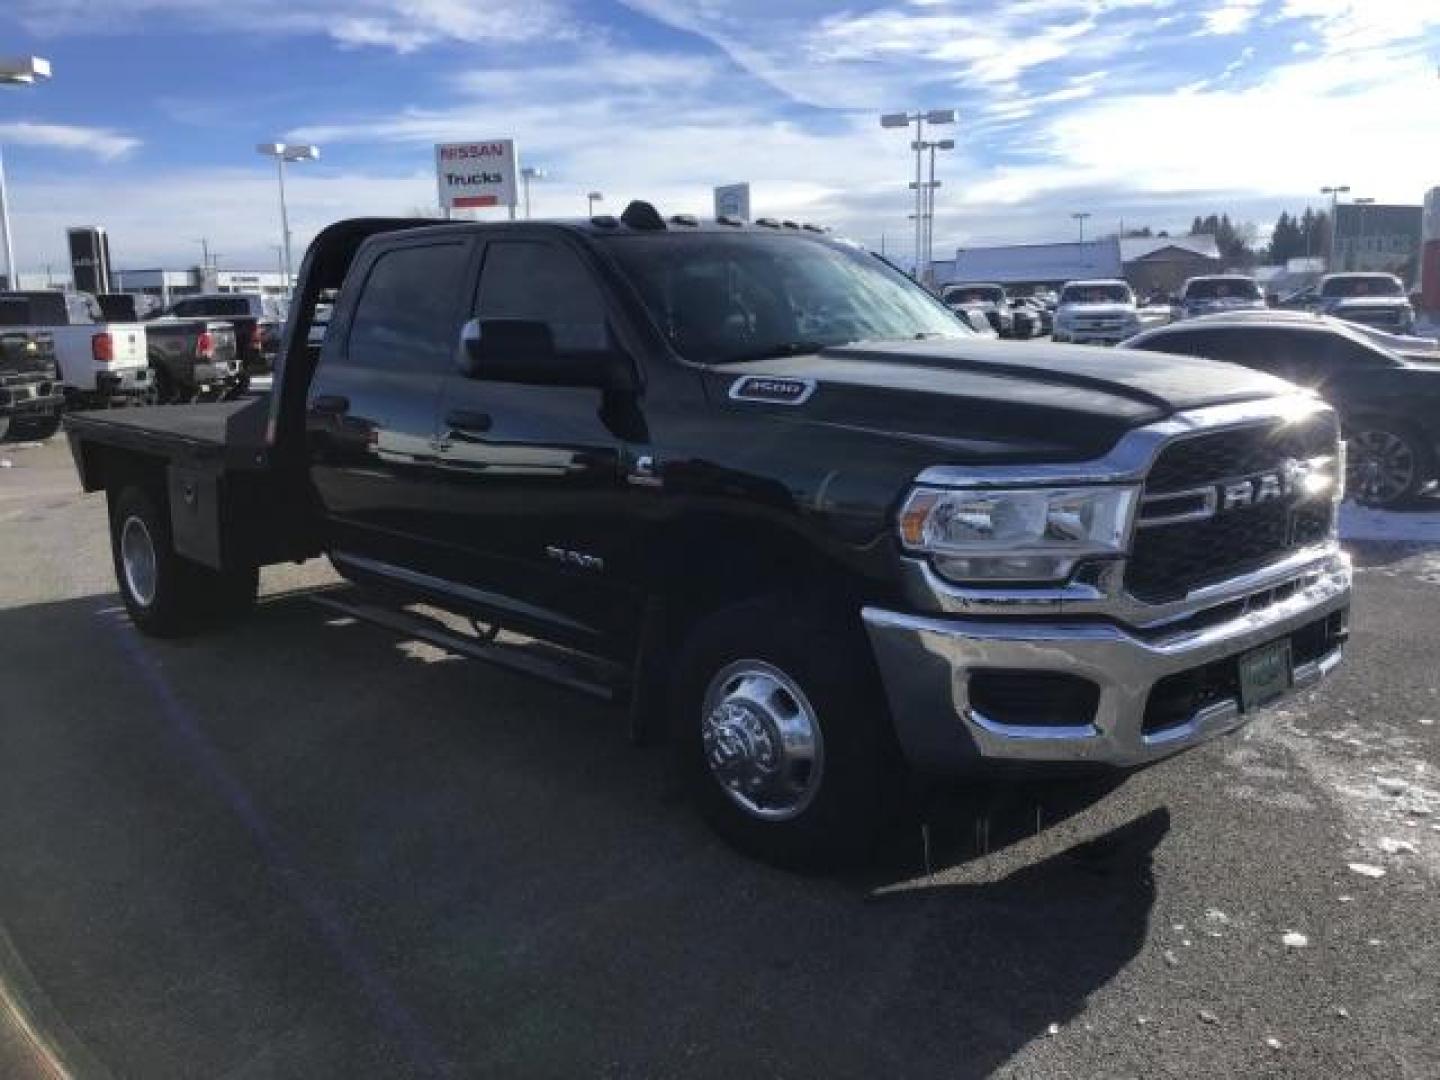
(165, 593)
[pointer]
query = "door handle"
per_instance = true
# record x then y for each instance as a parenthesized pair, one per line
(330, 405)
(467, 422)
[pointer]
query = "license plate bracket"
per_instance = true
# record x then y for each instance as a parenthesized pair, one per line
(1265, 674)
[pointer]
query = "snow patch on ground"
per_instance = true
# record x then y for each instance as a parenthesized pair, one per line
(1381, 782)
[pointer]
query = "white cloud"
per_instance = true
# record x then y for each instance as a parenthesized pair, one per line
(1349, 25)
(1285, 134)
(401, 25)
(101, 142)
(881, 56)
(1231, 16)
(151, 220)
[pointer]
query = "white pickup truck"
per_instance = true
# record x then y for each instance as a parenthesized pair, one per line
(1101, 312)
(100, 362)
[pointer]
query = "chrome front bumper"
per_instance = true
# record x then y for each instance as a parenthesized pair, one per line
(926, 661)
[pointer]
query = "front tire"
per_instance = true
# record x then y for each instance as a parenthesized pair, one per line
(166, 594)
(782, 736)
(1386, 463)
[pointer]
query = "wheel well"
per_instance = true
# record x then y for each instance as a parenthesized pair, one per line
(726, 565)
(109, 468)
(712, 565)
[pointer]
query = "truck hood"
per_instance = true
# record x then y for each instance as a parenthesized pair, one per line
(982, 400)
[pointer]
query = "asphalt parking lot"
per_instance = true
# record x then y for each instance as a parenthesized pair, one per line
(301, 847)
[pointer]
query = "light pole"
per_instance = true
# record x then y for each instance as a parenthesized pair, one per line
(279, 260)
(927, 233)
(528, 173)
(17, 71)
(1081, 218)
(919, 119)
(590, 201)
(283, 152)
(1334, 193)
(1360, 240)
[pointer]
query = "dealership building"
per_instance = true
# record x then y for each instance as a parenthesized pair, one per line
(1150, 264)
(166, 285)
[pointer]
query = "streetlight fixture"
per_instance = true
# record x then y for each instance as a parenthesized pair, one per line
(282, 153)
(928, 202)
(1081, 217)
(16, 71)
(590, 201)
(528, 173)
(1334, 193)
(1360, 240)
(934, 117)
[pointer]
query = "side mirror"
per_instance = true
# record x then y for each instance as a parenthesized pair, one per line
(523, 351)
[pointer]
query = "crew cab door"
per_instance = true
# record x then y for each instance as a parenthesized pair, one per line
(371, 406)
(531, 473)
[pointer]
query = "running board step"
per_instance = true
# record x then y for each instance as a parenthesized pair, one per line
(575, 671)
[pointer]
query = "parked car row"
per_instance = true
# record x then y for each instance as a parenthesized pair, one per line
(108, 350)
(1007, 316)
(1347, 338)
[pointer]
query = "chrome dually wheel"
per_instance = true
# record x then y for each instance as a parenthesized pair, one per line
(762, 740)
(138, 560)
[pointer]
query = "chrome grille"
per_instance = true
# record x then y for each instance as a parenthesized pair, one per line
(1171, 559)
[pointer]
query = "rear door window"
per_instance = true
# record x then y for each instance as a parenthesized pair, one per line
(409, 312)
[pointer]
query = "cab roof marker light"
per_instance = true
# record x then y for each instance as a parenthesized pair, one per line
(643, 216)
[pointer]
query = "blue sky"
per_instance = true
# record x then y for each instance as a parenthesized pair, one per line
(1146, 111)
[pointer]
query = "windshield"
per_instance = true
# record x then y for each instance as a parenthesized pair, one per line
(1097, 294)
(1223, 289)
(1366, 285)
(973, 295)
(720, 299)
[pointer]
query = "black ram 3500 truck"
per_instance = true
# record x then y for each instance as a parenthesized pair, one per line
(767, 490)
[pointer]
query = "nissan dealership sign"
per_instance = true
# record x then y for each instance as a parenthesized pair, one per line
(476, 174)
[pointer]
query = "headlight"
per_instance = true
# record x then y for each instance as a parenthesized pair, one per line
(1026, 534)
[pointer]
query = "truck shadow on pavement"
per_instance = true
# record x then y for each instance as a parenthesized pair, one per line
(301, 847)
